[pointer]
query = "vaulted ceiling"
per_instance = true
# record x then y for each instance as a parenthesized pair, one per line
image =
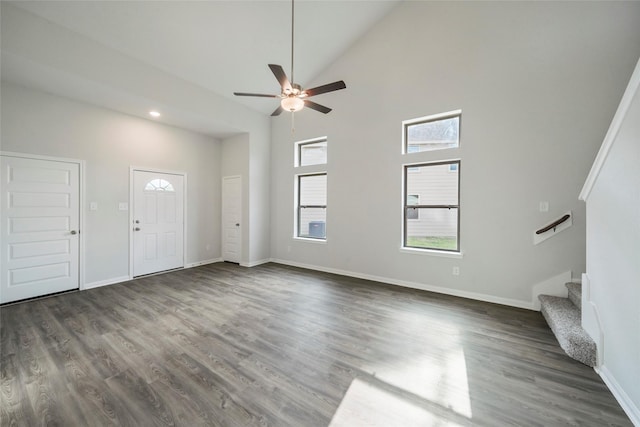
(217, 47)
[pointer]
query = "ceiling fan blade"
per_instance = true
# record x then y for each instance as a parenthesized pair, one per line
(281, 76)
(316, 107)
(277, 111)
(262, 95)
(325, 88)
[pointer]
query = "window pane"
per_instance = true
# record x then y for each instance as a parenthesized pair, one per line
(433, 184)
(313, 190)
(314, 153)
(158, 185)
(312, 222)
(433, 135)
(435, 229)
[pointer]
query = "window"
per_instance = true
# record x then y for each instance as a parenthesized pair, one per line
(312, 206)
(431, 206)
(158, 185)
(432, 133)
(311, 189)
(312, 152)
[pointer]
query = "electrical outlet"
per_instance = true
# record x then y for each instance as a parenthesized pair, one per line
(456, 271)
(208, 247)
(544, 206)
(93, 206)
(123, 206)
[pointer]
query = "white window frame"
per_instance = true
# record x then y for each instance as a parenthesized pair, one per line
(406, 206)
(307, 170)
(298, 151)
(428, 119)
(300, 207)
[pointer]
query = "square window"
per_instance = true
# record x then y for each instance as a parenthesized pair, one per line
(432, 133)
(312, 152)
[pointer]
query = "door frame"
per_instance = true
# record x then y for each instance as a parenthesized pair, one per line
(81, 199)
(133, 169)
(240, 242)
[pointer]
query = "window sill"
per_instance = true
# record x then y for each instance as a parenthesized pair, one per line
(433, 252)
(310, 240)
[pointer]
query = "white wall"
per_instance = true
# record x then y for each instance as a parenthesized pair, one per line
(34, 122)
(537, 83)
(613, 255)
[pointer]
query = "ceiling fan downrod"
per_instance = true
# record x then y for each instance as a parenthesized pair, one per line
(292, 33)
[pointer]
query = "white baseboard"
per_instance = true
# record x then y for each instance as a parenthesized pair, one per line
(254, 263)
(414, 285)
(199, 263)
(121, 279)
(107, 282)
(629, 407)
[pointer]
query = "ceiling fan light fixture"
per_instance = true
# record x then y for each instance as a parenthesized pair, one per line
(292, 103)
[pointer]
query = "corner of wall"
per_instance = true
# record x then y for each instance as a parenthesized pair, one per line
(553, 286)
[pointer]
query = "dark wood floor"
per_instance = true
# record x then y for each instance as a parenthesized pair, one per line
(272, 345)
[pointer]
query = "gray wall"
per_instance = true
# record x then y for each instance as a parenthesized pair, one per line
(34, 122)
(538, 84)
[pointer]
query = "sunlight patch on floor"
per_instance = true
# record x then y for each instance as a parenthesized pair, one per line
(432, 368)
(364, 404)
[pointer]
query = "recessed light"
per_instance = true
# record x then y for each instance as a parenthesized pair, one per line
(154, 114)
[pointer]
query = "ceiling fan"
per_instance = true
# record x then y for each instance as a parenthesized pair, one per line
(292, 96)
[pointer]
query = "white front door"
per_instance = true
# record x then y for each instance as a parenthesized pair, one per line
(40, 217)
(158, 222)
(231, 214)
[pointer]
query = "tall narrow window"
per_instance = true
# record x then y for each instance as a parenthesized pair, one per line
(312, 206)
(431, 206)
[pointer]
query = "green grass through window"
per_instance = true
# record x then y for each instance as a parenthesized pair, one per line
(432, 242)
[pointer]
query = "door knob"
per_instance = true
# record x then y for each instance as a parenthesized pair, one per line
(74, 232)
(137, 229)
(237, 224)
(137, 221)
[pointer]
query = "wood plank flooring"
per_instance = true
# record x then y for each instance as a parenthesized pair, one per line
(224, 345)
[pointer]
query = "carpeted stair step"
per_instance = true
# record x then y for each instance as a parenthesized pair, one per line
(575, 293)
(564, 318)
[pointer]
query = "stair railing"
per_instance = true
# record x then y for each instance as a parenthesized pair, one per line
(553, 228)
(554, 224)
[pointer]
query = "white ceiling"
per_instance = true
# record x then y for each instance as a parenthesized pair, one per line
(220, 46)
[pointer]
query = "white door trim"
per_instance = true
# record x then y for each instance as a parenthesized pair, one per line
(81, 191)
(132, 169)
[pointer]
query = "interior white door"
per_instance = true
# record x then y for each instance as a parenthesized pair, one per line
(158, 222)
(40, 217)
(231, 214)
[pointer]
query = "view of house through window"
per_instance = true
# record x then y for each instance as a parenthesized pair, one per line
(311, 185)
(432, 133)
(431, 206)
(312, 206)
(431, 188)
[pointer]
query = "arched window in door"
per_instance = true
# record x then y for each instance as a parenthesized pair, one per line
(158, 185)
